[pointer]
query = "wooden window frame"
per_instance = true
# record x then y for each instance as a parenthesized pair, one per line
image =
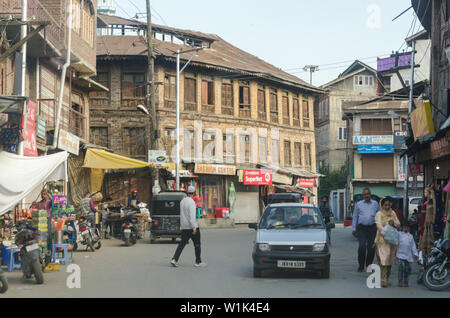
(208, 96)
(262, 107)
(244, 108)
(306, 114)
(287, 153)
(274, 108)
(169, 99)
(285, 109)
(298, 155)
(189, 105)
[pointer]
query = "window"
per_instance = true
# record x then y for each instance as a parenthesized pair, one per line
(364, 80)
(262, 105)
(190, 94)
(188, 146)
(263, 149)
(170, 93)
(273, 106)
(285, 104)
(244, 101)
(209, 145)
(76, 16)
(287, 153)
(134, 142)
(376, 127)
(208, 100)
(100, 98)
(306, 118)
(228, 148)
(298, 154)
(227, 99)
(133, 86)
(342, 134)
(245, 154)
(296, 111)
(275, 152)
(308, 156)
(87, 30)
(323, 110)
(99, 136)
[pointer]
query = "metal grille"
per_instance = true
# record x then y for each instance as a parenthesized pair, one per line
(287, 248)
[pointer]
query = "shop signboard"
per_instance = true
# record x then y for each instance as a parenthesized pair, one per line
(306, 183)
(282, 179)
(401, 168)
(440, 148)
(41, 128)
(373, 140)
(415, 169)
(59, 200)
(376, 149)
(422, 120)
(68, 142)
(257, 177)
(29, 131)
(400, 140)
(157, 157)
(215, 169)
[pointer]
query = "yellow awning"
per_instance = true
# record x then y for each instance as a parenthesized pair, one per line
(101, 159)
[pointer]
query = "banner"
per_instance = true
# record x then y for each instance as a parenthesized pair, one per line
(306, 183)
(29, 131)
(68, 142)
(257, 177)
(422, 121)
(376, 149)
(215, 169)
(373, 140)
(157, 157)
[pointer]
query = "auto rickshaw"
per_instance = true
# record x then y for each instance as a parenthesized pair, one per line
(166, 216)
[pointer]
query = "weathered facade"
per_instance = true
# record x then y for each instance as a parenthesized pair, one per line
(236, 110)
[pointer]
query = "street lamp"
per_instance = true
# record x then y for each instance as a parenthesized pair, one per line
(141, 108)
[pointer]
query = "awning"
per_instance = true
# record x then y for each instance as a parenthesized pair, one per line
(11, 104)
(291, 171)
(101, 159)
(305, 192)
(19, 175)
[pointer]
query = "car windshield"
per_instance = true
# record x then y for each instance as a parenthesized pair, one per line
(288, 217)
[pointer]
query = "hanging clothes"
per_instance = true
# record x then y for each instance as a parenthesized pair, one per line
(427, 239)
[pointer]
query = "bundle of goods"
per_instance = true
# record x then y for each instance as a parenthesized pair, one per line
(24, 215)
(9, 138)
(40, 222)
(142, 224)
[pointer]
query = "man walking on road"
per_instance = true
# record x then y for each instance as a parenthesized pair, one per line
(189, 229)
(365, 229)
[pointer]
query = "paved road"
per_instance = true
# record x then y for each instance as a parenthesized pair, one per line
(144, 271)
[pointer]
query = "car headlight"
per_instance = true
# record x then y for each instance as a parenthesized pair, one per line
(264, 247)
(319, 247)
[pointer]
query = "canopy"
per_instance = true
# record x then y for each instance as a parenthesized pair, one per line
(101, 159)
(19, 175)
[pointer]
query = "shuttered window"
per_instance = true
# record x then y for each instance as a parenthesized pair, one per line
(376, 127)
(261, 104)
(285, 103)
(227, 99)
(273, 107)
(170, 94)
(190, 94)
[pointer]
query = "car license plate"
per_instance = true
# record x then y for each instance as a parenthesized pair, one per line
(33, 247)
(127, 231)
(291, 264)
(85, 233)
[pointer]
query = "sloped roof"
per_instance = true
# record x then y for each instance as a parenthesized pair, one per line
(356, 68)
(220, 56)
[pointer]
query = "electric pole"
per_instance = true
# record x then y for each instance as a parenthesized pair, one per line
(311, 69)
(151, 78)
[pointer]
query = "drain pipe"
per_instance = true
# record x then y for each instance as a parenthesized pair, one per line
(23, 50)
(63, 76)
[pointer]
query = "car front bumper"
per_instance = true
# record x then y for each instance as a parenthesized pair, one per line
(315, 261)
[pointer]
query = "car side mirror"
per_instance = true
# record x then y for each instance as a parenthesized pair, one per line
(331, 225)
(253, 226)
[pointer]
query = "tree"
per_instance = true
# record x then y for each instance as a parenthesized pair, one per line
(333, 180)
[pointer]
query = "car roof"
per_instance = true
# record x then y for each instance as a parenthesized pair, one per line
(291, 194)
(299, 205)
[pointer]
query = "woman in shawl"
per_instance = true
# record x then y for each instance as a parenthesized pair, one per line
(386, 252)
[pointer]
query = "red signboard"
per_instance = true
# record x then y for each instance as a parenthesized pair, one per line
(29, 131)
(415, 169)
(306, 183)
(257, 177)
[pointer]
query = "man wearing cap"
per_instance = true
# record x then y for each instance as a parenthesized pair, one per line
(133, 201)
(189, 229)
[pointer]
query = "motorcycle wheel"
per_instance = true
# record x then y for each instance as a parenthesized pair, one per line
(37, 270)
(90, 244)
(134, 240)
(3, 284)
(75, 246)
(98, 246)
(431, 282)
(127, 242)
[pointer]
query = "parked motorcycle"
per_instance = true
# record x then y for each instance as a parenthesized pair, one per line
(426, 262)
(436, 276)
(31, 256)
(3, 282)
(129, 229)
(88, 236)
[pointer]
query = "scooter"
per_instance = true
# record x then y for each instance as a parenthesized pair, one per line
(427, 262)
(88, 236)
(437, 276)
(129, 229)
(3, 282)
(31, 255)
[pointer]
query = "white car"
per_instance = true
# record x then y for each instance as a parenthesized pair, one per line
(414, 204)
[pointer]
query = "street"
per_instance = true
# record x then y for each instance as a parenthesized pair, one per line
(143, 271)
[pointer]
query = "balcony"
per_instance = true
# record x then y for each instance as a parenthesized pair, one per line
(387, 64)
(53, 33)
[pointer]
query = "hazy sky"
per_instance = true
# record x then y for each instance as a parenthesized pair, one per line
(293, 33)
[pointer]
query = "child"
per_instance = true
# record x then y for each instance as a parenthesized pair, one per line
(406, 254)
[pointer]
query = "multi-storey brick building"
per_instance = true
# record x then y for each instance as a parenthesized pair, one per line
(237, 111)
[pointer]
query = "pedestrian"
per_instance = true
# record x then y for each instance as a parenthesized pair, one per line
(327, 214)
(386, 252)
(365, 229)
(88, 209)
(189, 229)
(406, 254)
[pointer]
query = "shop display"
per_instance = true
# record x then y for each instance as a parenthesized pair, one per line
(40, 222)
(9, 139)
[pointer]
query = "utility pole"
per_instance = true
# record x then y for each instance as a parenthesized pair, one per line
(312, 69)
(151, 76)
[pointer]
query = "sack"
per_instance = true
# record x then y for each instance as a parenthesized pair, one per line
(390, 235)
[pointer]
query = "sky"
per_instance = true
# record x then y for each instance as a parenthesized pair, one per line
(291, 34)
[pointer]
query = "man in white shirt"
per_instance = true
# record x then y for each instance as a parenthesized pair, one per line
(189, 229)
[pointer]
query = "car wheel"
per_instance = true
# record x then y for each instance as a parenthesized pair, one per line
(257, 273)
(325, 273)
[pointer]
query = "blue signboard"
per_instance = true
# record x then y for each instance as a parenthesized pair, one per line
(375, 149)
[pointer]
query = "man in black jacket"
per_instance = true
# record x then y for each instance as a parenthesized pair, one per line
(326, 213)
